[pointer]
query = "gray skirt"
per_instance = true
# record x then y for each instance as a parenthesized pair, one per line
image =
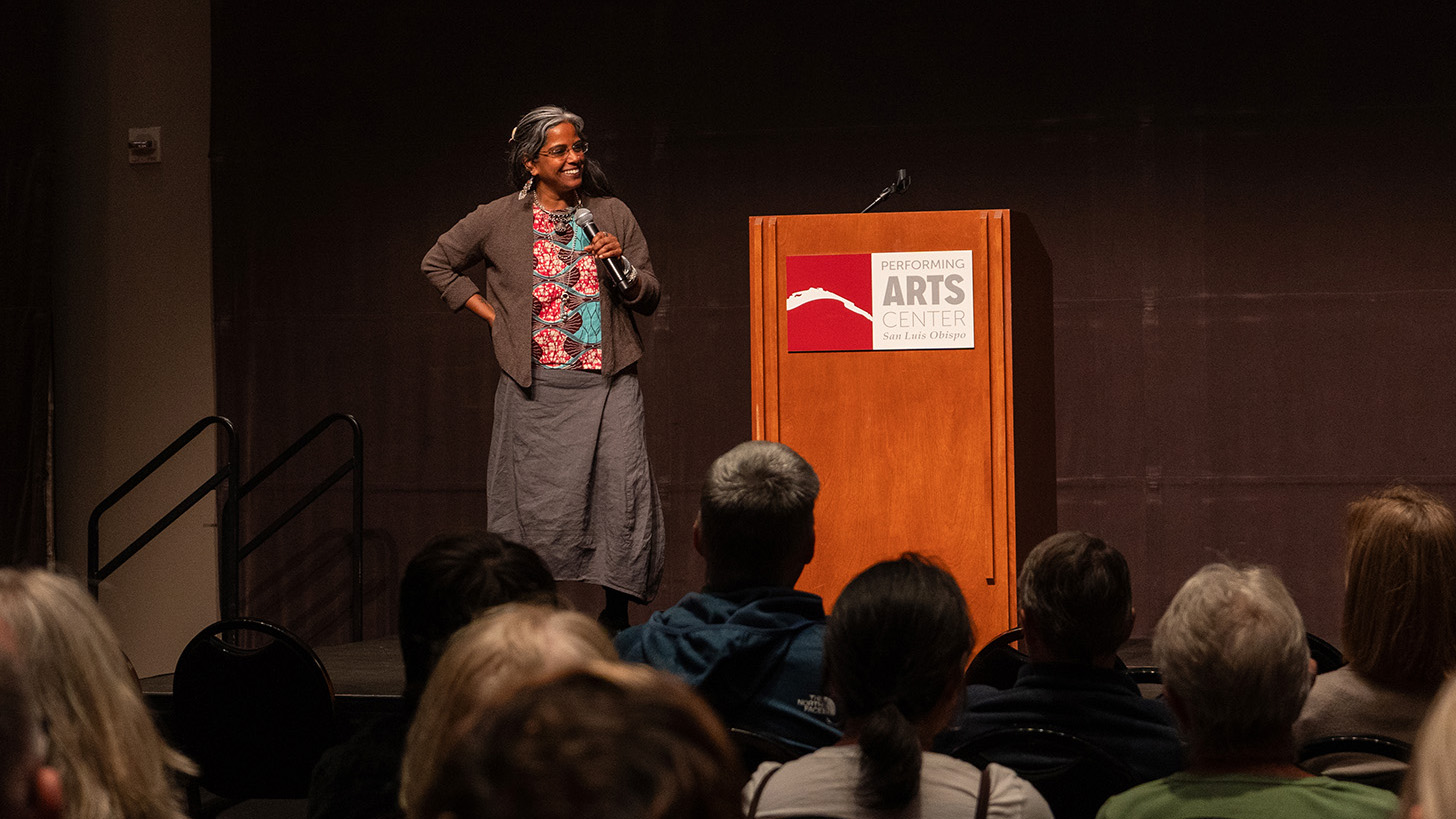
(568, 477)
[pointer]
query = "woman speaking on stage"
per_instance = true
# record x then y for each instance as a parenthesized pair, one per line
(567, 474)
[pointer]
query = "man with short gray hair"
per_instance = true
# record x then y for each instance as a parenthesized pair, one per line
(1236, 670)
(1075, 604)
(750, 643)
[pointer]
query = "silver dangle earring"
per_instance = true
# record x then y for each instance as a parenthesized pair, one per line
(526, 188)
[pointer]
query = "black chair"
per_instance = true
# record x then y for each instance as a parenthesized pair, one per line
(1361, 745)
(1326, 657)
(254, 719)
(1073, 775)
(998, 662)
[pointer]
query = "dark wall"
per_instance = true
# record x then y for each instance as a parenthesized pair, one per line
(1248, 210)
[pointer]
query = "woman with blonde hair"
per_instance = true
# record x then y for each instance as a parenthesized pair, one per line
(1399, 626)
(112, 761)
(609, 741)
(508, 646)
(1430, 786)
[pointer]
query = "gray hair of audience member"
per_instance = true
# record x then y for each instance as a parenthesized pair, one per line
(756, 514)
(112, 761)
(22, 745)
(529, 136)
(1233, 653)
(1431, 781)
(1077, 591)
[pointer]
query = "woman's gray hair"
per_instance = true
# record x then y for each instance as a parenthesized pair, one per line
(528, 137)
(1233, 651)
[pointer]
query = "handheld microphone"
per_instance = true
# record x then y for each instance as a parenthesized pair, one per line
(615, 264)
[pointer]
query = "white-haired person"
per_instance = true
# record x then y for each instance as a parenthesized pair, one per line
(1236, 670)
(113, 764)
(1430, 784)
(485, 661)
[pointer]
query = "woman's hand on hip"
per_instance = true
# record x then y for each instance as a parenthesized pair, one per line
(480, 307)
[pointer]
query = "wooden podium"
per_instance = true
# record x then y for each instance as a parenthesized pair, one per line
(938, 451)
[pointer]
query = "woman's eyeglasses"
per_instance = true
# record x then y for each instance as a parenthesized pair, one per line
(559, 151)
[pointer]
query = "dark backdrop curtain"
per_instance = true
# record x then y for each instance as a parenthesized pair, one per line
(29, 47)
(1248, 209)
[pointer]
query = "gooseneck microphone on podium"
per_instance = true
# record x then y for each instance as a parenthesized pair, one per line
(618, 266)
(901, 183)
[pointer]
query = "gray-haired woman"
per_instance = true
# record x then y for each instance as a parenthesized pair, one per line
(568, 473)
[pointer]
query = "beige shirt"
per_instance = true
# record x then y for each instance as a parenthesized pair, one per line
(1345, 702)
(822, 784)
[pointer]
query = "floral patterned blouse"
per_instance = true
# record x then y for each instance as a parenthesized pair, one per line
(566, 311)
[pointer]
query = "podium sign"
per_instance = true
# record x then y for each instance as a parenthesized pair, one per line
(882, 352)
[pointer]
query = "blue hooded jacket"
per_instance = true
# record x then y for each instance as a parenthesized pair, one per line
(756, 655)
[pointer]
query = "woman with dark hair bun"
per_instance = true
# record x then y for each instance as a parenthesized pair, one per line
(895, 652)
(566, 269)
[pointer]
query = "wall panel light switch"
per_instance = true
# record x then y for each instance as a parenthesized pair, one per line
(144, 145)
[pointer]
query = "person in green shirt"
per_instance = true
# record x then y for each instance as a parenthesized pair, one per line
(1236, 671)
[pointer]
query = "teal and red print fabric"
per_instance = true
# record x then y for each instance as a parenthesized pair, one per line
(566, 321)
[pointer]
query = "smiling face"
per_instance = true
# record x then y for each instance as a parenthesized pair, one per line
(557, 177)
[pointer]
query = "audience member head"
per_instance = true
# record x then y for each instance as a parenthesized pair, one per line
(112, 762)
(451, 581)
(1076, 600)
(756, 517)
(508, 646)
(1400, 567)
(611, 741)
(28, 787)
(1235, 665)
(895, 652)
(1430, 784)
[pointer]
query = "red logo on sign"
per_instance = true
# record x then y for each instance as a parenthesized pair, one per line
(830, 304)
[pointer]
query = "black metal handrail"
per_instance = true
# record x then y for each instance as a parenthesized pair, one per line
(231, 555)
(226, 474)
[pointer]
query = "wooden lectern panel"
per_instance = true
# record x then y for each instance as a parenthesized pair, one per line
(915, 449)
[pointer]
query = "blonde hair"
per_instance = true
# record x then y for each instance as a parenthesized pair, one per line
(112, 761)
(485, 661)
(1431, 780)
(1399, 625)
(608, 740)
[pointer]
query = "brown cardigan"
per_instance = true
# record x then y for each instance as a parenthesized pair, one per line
(499, 234)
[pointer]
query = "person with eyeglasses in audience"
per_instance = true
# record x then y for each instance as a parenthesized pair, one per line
(566, 269)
